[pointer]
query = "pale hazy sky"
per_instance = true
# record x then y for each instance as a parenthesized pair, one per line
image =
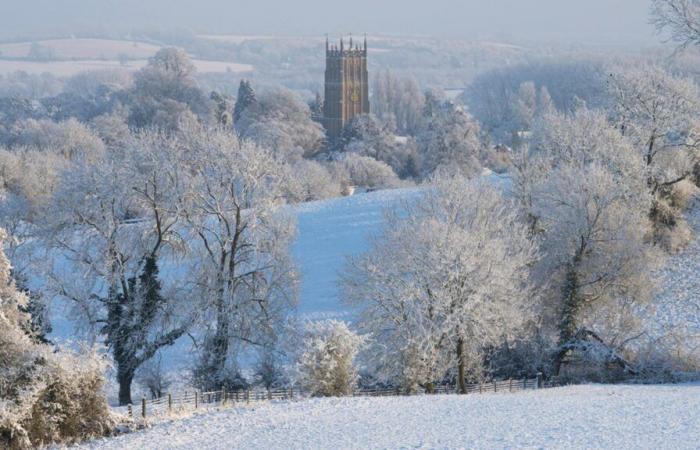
(599, 21)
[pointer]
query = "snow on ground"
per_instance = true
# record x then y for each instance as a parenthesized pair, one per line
(329, 232)
(580, 417)
(679, 295)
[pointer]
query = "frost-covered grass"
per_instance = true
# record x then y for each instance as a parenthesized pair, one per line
(585, 417)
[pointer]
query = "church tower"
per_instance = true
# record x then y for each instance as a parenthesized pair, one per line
(347, 86)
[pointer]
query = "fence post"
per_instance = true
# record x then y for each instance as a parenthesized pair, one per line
(143, 407)
(130, 412)
(510, 385)
(247, 395)
(269, 394)
(398, 391)
(170, 402)
(223, 395)
(291, 393)
(196, 399)
(481, 387)
(495, 386)
(524, 383)
(539, 380)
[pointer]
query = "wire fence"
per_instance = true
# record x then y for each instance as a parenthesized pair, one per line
(195, 400)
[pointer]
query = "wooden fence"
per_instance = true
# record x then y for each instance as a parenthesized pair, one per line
(194, 400)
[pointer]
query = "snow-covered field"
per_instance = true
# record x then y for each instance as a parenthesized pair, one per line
(83, 49)
(581, 417)
(73, 56)
(70, 68)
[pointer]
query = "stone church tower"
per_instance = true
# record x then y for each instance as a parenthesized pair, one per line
(347, 86)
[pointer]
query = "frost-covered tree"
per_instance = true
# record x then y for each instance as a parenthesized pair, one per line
(28, 178)
(326, 362)
(493, 96)
(448, 277)
(525, 105)
(165, 92)
(110, 225)
(577, 140)
(70, 139)
(657, 112)
(281, 121)
(449, 139)
(584, 189)
(398, 101)
(596, 259)
(269, 369)
(113, 129)
(680, 18)
(364, 135)
(241, 267)
(223, 108)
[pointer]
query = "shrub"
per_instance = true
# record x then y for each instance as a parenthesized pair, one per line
(326, 365)
(46, 396)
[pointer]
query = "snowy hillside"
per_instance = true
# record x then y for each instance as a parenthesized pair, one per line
(581, 417)
(330, 231)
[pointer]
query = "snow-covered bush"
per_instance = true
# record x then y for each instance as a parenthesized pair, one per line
(312, 181)
(45, 396)
(71, 405)
(326, 364)
(368, 172)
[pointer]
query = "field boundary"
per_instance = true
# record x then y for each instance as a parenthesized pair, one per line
(189, 401)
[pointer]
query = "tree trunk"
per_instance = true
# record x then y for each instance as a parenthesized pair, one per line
(460, 366)
(125, 378)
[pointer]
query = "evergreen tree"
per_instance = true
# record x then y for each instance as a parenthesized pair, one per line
(245, 98)
(223, 107)
(38, 325)
(316, 107)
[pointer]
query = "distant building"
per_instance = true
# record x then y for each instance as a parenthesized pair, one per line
(347, 86)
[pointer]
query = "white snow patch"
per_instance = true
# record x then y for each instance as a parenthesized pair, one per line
(581, 417)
